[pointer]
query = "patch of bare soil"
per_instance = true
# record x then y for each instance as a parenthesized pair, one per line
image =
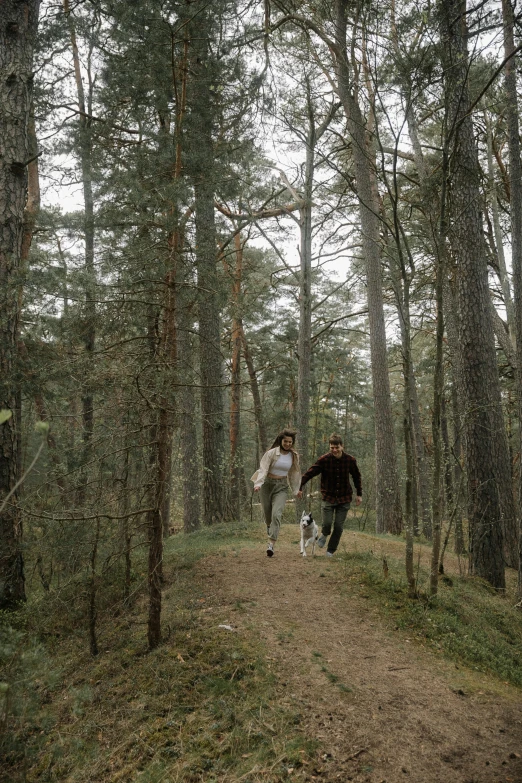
(383, 709)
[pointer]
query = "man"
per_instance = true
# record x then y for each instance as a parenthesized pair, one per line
(335, 468)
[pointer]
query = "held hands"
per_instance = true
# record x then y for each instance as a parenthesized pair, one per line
(256, 489)
(358, 500)
(299, 494)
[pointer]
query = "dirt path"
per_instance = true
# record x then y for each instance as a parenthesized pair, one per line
(383, 709)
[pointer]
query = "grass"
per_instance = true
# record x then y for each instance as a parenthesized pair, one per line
(468, 622)
(203, 706)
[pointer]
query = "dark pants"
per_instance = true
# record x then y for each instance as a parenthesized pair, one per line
(333, 513)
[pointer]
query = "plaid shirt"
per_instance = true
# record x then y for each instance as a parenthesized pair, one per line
(335, 477)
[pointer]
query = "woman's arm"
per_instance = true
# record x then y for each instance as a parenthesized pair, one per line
(264, 468)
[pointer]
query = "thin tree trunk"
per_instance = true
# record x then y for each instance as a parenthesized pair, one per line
(188, 412)
(201, 99)
(93, 612)
(89, 320)
(235, 392)
(256, 397)
(499, 244)
(410, 522)
(438, 391)
(155, 568)
(423, 471)
(503, 338)
(458, 473)
(448, 473)
(126, 532)
(304, 346)
(154, 491)
(166, 370)
(389, 512)
(456, 396)
(18, 26)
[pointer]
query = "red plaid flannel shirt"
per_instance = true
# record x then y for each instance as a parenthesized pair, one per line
(335, 477)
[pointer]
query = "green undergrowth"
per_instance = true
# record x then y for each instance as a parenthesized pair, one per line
(468, 621)
(201, 707)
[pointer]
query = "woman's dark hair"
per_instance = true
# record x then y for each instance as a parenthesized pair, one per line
(284, 434)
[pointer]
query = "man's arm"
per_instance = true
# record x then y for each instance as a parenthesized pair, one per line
(316, 468)
(356, 475)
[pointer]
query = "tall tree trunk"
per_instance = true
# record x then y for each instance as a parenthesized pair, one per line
(89, 320)
(93, 585)
(499, 244)
(411, 120)
(438, 391)
(166, 371)
(389, 512)
(456, 397)
(201, 97)
(154, 523)
(256, 397)
(410, 520)
(18, 26)
(155, 574)
(482, 413)
(188, 431)
(515, 181)
(304, 346)
(235, 392)
(448, 473)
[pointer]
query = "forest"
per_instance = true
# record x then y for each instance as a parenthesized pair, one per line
(220, 219)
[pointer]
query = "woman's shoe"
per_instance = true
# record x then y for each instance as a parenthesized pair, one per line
(270, 550)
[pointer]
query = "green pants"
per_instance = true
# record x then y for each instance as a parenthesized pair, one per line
(336, 513)
(273, 498)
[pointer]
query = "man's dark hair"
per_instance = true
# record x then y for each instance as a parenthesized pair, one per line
(335, 439)
(284, 434)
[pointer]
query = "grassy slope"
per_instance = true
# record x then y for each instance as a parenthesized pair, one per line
(468, 621)
(202, 706)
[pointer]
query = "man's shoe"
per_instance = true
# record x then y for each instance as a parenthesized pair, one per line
(329, 554)
(270, 551)
(321, 541)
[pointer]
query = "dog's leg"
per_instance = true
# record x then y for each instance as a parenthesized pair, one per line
(303, 546)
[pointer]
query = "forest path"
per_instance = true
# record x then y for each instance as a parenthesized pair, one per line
(383, 708)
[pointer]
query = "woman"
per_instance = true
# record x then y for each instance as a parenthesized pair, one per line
(279, 468)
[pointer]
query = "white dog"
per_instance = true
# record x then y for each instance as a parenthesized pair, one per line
(309, 532)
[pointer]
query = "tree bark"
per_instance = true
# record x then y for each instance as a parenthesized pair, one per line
(515, 181)
(389, 512)
(188, 431)
(499, 244)
(18, 26)
(256, 397)
(89, 320)
(201, 97)
(235, 391)
(438, 391)
(304, 346)
(456, 397)
(484, 427)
